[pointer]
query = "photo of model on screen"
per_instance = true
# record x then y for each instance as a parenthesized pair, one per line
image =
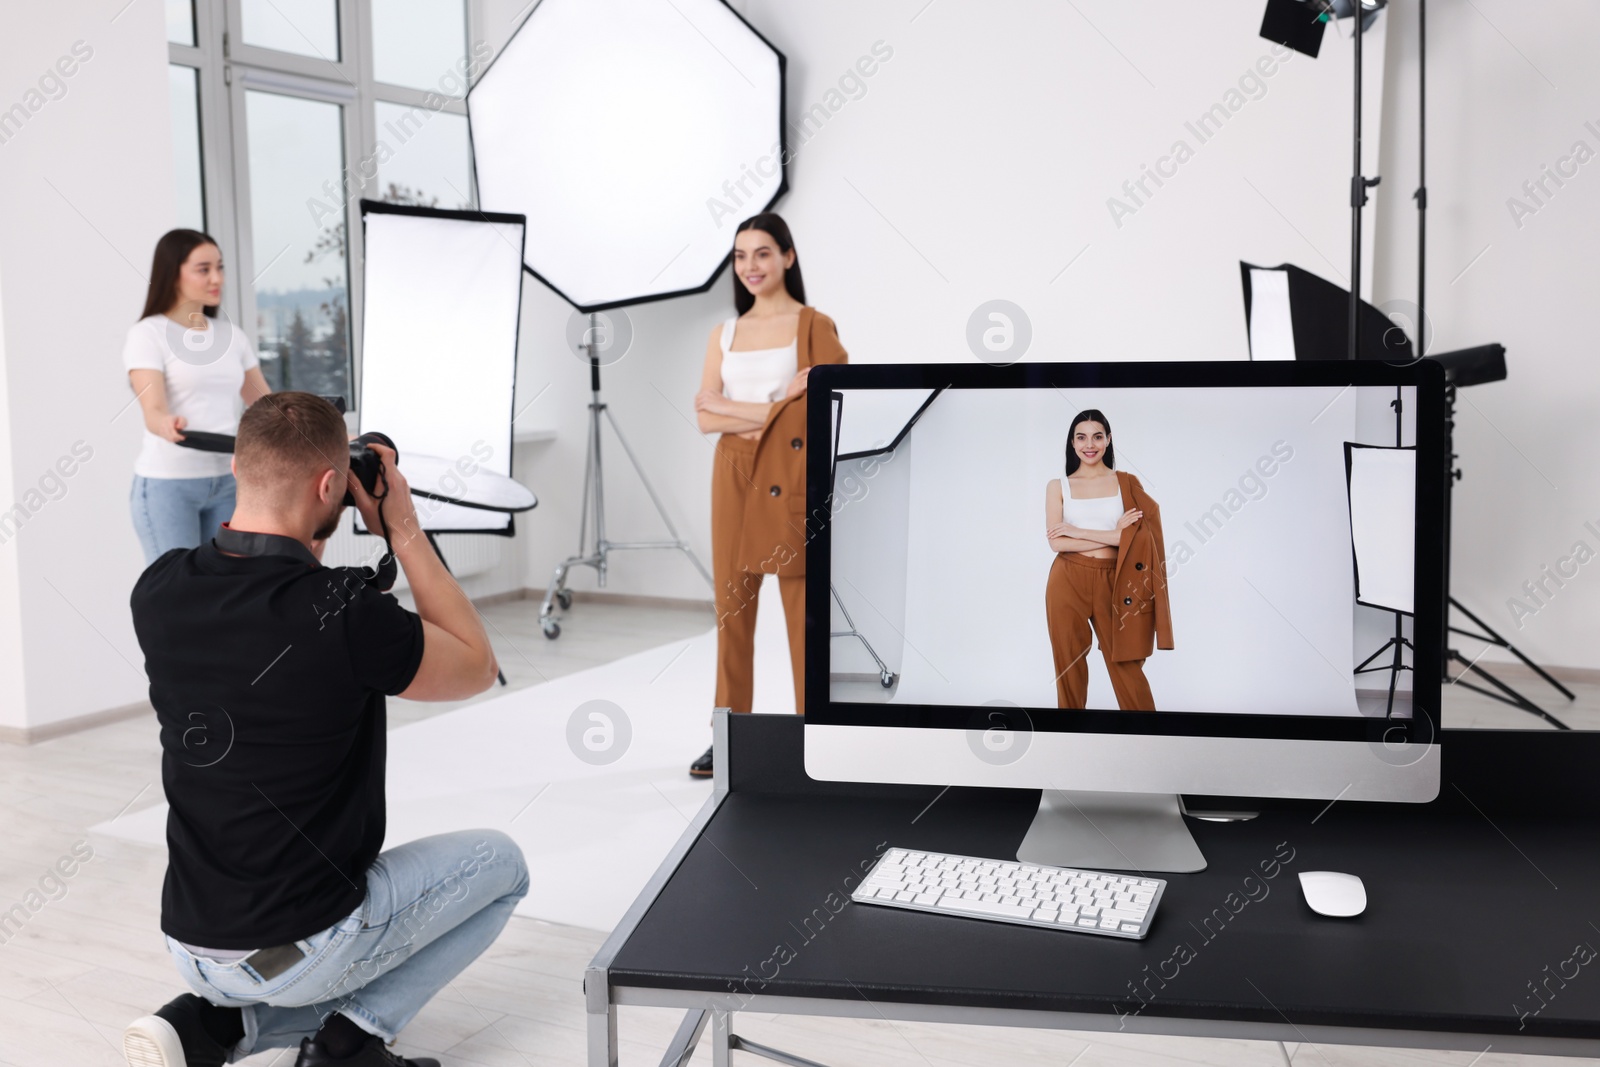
(1109, 572)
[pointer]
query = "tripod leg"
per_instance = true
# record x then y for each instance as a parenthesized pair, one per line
(557, 592)
(1363, 664)
(1496, 639)
(1512, 697)
(885, 675)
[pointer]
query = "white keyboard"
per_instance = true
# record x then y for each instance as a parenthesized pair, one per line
(1027, 894)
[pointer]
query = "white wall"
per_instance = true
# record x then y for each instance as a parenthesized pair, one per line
(1513, 88)
(11, 688)
(88, 183)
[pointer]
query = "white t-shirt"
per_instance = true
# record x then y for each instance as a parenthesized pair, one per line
(202, 385)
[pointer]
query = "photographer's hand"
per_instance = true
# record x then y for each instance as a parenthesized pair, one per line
(458, 660)
(399, 510)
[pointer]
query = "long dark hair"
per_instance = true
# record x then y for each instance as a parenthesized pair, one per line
(173, 248)
(1090, 415)
(771, 223)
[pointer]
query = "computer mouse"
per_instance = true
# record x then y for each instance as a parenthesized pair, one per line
(1332, 893)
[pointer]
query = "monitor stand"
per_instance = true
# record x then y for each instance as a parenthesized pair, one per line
(1111, 831)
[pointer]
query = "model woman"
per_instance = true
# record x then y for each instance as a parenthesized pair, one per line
(1109, 572)
(752, 393)
(186, 370)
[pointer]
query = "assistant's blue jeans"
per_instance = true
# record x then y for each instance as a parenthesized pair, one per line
(173, 513)
(432, 907)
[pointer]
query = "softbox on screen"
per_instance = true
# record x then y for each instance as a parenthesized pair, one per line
(443, 298)
(1383, 506)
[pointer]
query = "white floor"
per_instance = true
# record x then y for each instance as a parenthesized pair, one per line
(91, 959)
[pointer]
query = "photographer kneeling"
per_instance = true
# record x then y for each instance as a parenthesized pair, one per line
(268, 674)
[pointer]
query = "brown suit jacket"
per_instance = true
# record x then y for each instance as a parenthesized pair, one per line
(1139, 583)
(774, 533)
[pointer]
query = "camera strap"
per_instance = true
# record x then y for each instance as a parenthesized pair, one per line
(382, 577)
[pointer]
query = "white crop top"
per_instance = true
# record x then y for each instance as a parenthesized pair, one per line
(1096, 513)
(760, 375)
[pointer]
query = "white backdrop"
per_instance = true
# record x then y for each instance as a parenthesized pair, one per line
(1260, 565)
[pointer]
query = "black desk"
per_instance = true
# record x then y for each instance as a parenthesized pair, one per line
(1482, 907)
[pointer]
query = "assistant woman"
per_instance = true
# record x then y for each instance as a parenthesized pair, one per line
(188, 371)
(752, 394)
(1109, 572)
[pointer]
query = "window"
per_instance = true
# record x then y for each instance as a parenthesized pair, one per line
(285, 113)
(180, 22)
(299, 266)
(184, 83)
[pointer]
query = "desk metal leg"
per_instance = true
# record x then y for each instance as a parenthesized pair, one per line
(739, 1044)
(724, 1043)
(603, 1037)
(687, 1037)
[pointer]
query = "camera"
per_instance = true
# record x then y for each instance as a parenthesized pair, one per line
(366, 464)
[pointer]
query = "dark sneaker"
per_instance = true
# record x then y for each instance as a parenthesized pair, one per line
(173, 1037)
(701, 768)
(372, 1054)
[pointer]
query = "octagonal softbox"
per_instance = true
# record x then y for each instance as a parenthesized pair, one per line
(634, 135)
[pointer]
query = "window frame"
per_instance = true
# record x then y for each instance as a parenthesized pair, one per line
(228, 69)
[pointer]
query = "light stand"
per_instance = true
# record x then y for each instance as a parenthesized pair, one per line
(594, 504)
(1485, 633)
(1399, 644)
(1359, 184)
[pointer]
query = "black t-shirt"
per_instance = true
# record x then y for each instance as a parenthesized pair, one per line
(268, 675)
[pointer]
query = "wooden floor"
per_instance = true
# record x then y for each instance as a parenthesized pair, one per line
(92, 959)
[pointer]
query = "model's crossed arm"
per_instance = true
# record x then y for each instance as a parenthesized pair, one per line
(1065, 537)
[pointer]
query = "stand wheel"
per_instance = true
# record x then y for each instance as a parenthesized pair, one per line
(886, 679)
(564, 598)
(551, 628)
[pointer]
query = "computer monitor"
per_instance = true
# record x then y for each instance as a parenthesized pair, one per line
(948, 637)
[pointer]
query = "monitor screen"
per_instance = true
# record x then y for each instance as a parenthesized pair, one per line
(1145, 542)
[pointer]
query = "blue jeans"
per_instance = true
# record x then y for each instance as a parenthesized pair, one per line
(432, 907)
(173, 513)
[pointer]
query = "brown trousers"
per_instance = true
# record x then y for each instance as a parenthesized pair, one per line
(1078, 595)
(737, 589)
